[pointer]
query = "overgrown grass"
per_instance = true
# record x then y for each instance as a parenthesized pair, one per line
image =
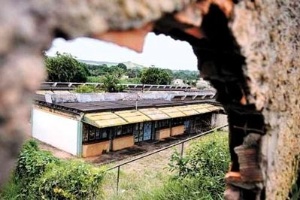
(198, 175)
(133, 183)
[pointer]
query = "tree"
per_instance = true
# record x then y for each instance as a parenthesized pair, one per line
(154, 75)
(65, 68)
(122, 66)
(111, 84)
(117, 71)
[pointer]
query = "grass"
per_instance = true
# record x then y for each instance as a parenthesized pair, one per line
(146, 182)
(132, 183)
(151, 179)
(10, 191)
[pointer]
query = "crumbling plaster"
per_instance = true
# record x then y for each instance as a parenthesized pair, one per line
(28, 28)
(269, 34)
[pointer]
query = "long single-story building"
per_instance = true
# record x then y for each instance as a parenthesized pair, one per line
(89, 125)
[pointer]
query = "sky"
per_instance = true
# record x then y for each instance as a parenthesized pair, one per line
(159, 50)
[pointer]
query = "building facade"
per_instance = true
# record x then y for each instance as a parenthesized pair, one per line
(92, 128)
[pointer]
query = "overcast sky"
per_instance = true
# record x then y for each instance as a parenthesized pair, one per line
(161, 51)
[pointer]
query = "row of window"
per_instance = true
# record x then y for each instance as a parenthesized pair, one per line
(91, 133)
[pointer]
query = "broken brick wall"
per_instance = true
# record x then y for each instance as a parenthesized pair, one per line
(268, 32)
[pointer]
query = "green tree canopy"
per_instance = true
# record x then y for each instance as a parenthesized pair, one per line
(154, 75)
(65, 68)
(122, 66)
(111, 83)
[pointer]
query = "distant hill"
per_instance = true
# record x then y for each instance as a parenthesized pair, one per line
(129, 64)
(92, 62)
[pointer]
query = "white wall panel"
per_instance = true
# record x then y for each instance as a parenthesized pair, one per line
(56, 130)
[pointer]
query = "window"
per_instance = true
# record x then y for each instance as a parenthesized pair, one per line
(162, 124)
(127, 130)
(119, 130)
(178, 121)
(85, 135)
(94, 134)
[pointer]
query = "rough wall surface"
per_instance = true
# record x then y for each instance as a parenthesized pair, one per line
(268, 32)
(28, 28)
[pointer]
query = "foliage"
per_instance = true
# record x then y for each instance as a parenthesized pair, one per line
(98, 70)
(70, 180)
(156, 76)
(122, 66)
(130, 81)
(42, 176)
(200, 172)
(202, 160)
(65, 68)
(86, 89)
(111, 84)
(186, 75)
(11, 190)
(184, 189)
(31, 166)
(134, 72)
(102, 70)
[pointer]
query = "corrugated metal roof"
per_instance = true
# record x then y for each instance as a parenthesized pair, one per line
(133, 116)
(154, 113)
(214, 108)
(204, 108)
(187, 110)
(104, 119)
(108, 119)
(200, 108)
(173, 112)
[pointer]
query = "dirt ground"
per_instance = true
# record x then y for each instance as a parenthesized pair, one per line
(114, 158)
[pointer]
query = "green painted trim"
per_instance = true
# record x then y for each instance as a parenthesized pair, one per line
(79, 139)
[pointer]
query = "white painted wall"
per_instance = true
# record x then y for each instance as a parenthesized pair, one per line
(56, 130)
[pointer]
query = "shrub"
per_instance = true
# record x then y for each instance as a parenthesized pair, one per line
(207, 157)
(31, 165)
(11, 190)
(199, 174)
(70, 180)
(42, 176)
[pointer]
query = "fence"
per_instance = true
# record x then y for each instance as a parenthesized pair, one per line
(181, 143)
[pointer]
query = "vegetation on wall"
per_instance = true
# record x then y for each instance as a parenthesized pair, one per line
(65, 68)
(87, 89)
